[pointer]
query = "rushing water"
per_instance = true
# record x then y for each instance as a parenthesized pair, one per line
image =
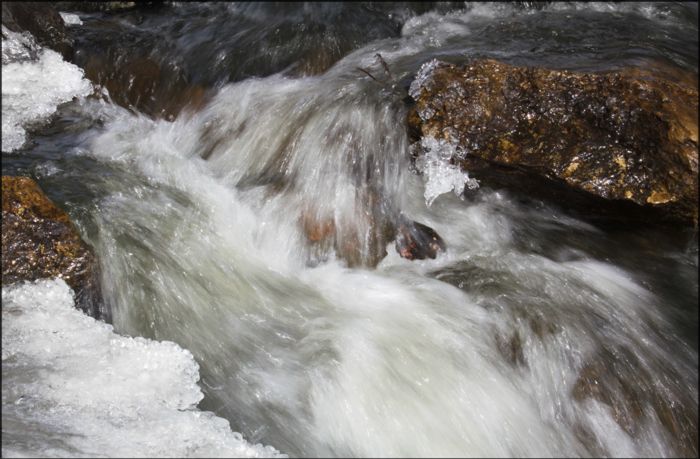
(535, 334)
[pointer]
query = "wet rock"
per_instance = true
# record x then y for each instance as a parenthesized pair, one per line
(618, 379)
(39, 241)
(413, 240)
(416, 241)
(141, 82)
(626, 137)
(42, 20)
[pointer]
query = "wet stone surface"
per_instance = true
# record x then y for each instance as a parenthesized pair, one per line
(39, 241)
(627, 136)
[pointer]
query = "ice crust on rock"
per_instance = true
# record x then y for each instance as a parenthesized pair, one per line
(18, 47)
(71, 386)
(422, 78)
(440, 175)
(34, 82)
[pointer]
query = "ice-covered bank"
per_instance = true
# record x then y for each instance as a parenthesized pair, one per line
(72, 387)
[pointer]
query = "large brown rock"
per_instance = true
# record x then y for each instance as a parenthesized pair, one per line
(39, 241)
(627, 136)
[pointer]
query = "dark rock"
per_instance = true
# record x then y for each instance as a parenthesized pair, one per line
(112, 55)
(417, 241)
(39, 241)
(42, 20)
(622, 137)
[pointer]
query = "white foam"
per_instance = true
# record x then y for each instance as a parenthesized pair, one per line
(32, 90)
(71, 386)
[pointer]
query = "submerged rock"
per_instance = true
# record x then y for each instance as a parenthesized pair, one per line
(627, 136)
(140, 82)
(39, 241)
(619, 380)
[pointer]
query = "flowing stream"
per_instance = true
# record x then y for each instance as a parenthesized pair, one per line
(535, 334)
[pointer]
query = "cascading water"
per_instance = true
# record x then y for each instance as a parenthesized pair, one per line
(534, 334)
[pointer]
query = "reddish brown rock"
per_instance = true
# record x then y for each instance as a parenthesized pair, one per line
(39, 241)
(412, 240)
(416, 241)
(628, 136)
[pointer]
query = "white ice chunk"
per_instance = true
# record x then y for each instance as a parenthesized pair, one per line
(17, 46)
(441, 176)
(70, 18)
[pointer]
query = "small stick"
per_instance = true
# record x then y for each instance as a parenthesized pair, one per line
(369, 74)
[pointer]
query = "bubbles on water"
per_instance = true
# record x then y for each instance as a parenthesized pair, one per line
(47, 169)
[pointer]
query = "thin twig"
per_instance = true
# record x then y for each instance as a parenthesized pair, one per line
(369, 74)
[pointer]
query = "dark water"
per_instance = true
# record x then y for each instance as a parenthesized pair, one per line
(322, 359)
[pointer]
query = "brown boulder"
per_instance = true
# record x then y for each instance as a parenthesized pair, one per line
(39, 241)
(627, 136)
